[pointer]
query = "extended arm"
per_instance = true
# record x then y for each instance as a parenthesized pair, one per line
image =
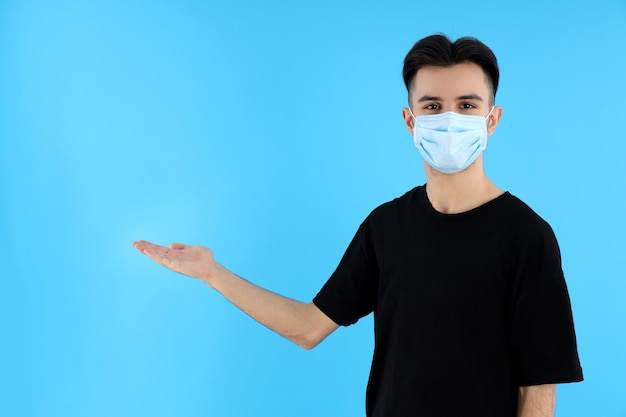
(537, 401)
(302, 323)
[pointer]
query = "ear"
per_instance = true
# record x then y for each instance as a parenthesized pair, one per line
(493, 120)
(408, 119)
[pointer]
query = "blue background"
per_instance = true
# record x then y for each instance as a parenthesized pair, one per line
(268, 131)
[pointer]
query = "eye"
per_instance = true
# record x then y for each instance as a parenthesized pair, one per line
(467, 106)
(432, 107)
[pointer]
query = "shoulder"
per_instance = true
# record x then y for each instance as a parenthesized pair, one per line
(391, 217)
(397, 207)
(523, 216)
(530, 232)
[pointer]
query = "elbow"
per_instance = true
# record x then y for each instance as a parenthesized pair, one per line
(307, 346)
(308, 343)
(309, 340)
(316, 327)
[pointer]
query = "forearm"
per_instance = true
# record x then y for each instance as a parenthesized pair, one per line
(537, 401)
(302, 323)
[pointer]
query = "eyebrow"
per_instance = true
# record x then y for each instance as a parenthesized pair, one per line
(460, 98)
(470, 97)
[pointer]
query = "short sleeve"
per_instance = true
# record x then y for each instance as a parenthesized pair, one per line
(543, 336)
(350, 292)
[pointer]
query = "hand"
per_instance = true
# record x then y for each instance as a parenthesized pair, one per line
(303, 324)
(193, 261)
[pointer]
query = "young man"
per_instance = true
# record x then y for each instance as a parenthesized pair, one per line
(472, 315)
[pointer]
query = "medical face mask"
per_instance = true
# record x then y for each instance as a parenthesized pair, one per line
(449, 142)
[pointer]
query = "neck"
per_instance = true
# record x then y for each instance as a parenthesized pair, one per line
(460, 192)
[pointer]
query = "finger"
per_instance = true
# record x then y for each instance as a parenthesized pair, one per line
(141, 244)
(179, 246)
(150, 249)
(159, 254)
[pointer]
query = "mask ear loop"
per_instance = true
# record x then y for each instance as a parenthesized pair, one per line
(486, 117)
(414, 118)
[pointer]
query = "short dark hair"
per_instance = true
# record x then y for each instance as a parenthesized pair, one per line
(438, 50)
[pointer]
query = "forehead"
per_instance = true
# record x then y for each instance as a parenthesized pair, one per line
(451, 81)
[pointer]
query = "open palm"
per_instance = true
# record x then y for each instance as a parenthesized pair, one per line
(193, 261)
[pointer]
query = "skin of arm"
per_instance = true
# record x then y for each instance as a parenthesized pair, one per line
(537, 401)
(302, 323)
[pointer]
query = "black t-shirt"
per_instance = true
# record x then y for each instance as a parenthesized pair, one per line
(467, 307)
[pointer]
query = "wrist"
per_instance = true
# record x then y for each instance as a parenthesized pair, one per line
(213, 274)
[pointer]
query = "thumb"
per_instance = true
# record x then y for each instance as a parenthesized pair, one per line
(178, 246)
